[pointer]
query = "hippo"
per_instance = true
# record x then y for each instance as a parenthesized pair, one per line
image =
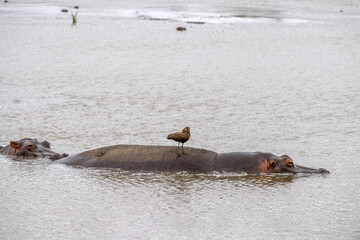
(166, 158)
(28, 147)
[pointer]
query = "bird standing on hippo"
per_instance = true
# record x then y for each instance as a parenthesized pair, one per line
(181, 137)
(28, 147)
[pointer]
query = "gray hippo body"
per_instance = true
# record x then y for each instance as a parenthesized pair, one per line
(166, 158)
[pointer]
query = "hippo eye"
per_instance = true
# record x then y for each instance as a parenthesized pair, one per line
(31, 146)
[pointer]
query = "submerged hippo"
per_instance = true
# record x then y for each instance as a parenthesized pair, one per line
(165, 158)
(28, 147)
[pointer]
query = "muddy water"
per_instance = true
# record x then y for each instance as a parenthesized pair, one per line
(276, 76)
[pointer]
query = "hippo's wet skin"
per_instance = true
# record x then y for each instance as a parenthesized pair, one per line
(28, 147)
(165, 158)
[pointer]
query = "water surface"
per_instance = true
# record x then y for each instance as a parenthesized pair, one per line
(273, 76)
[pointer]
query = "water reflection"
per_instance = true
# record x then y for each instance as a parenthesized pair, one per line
(184, 181)
(28, 161)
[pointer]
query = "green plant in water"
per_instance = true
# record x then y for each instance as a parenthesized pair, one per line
(74, 18)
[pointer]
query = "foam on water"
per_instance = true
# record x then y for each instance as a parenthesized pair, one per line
(243, 15)
(206, 17)
(24, 10)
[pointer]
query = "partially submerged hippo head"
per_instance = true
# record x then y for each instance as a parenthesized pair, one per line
(28, 147)
(259, 162)
(284, 164)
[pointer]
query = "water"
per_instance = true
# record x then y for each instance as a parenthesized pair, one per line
(276, 76)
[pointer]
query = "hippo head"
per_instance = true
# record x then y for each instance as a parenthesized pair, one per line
(284, 164)
(28, 147)
(260, 162)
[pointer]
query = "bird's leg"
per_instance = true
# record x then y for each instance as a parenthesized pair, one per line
(177, 149)
(183, 149)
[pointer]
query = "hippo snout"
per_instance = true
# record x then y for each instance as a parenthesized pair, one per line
(58, 156)
(302, 169)
(24, 152)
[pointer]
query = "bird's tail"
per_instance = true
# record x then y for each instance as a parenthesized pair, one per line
(170, 136)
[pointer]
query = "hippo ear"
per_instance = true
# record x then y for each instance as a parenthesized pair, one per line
(271, 163)
(14, 145)
(45, 144)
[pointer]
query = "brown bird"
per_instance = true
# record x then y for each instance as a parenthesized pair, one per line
(180, 29)
(181, 137)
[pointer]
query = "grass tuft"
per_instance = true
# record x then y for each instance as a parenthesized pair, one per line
(74, 18)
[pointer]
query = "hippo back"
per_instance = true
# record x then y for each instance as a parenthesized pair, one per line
(145, 157)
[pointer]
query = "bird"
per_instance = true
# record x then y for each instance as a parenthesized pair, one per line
(181, 137)
(180, 29)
